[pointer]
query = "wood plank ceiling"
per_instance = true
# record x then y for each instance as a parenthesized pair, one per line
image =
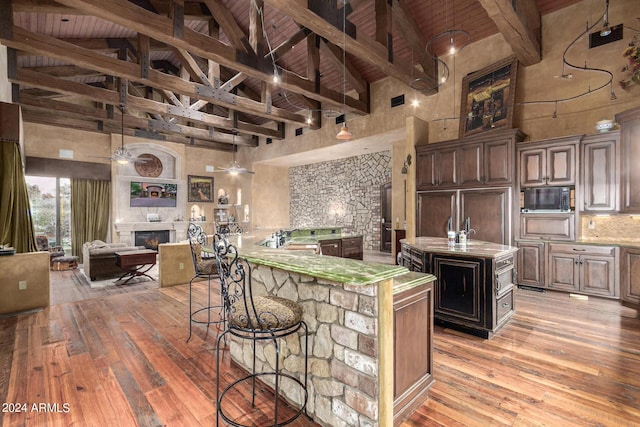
(201, 72)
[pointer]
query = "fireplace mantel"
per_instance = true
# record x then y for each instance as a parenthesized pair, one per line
(126, 230)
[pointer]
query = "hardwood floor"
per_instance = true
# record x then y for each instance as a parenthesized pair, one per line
(119, 357)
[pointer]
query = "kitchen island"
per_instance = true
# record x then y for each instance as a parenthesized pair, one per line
(474, 290)
(358, 373)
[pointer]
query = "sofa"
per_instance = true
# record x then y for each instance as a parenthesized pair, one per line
(99, 258)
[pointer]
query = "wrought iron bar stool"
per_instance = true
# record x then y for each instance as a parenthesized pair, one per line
(205, 267)
(258, 319)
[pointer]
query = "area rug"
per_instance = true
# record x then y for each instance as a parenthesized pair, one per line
(104, 283)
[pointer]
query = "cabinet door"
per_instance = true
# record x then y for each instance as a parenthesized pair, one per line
(446, 165)
(547, 226)
(471, 164)
(630, 275)
(532, 167)
(460, 289)
(531, 264)
(560, 166)
(331, 247)
(412, 344)
(564, 272)
(498, 162)
(597, 275)
(630, 159)
(599, 187)
(352, 248)
(434, 210)
(426, 169)
(488, 212)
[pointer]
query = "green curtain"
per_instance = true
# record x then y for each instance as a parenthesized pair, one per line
(16, 226)
(90, 210)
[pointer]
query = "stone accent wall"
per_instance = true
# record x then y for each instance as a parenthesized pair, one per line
(342, 347)
(343, 193)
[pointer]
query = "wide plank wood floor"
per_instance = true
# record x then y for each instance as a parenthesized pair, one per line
(119, 357)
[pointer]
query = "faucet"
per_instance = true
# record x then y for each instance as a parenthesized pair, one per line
(467, 230)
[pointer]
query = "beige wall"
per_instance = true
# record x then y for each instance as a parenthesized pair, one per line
(5, 86)
(271, 199)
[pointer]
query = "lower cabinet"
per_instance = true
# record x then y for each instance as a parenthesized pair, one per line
(531, 264)
(412, 349)
(630, 275)
(589, 270)
(474, 294)
(331, 247)
(352, 248)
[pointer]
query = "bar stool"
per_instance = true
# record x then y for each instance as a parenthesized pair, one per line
(205, 267)
(255, 318)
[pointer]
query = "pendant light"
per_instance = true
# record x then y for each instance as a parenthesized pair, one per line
(344, 134)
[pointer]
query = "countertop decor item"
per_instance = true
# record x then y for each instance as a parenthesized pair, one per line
(150, 167)
(605, 125)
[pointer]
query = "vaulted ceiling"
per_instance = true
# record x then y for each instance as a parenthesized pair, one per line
(201, 72)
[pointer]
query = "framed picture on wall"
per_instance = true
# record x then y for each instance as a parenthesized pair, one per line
(200, 189)
(488, 96)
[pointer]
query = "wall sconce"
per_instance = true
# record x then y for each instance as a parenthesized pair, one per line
(405, 166)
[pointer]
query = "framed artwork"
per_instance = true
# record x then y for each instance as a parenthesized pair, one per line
(488, 96)
(200, 189)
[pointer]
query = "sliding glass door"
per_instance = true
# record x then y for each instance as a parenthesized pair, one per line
(50, 200)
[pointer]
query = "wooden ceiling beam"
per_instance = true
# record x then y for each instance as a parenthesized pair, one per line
(362, 46)
(158, 27)
(334, 54)
(519, 22)
(229, 25)
(112, 97)
(408, 27)
(288, 44)
(52, 47)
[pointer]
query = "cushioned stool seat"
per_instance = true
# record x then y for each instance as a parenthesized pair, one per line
(273, 312)
(64, 263)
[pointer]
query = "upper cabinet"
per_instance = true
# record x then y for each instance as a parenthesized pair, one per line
(629, 122)
(478, 161)
(600, 166)
(549, 162)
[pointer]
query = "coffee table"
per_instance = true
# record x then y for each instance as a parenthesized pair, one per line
(135, 263)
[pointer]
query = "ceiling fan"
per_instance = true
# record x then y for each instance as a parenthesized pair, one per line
(122, 155)
(235, 168)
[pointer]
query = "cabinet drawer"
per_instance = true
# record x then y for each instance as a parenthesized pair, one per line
(504, 306)
(504, 262)
(547, 226)
(352, 243)
(504, 281)
(582, 249)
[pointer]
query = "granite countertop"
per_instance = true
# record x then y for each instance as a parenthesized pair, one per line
(471, 248)
(311, 240)
(341, 270)
(411, 280)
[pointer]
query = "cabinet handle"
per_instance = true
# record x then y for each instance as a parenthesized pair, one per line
(514, 276)
(579, 250)
(505, 304)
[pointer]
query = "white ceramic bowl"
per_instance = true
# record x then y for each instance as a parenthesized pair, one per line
(604, 125)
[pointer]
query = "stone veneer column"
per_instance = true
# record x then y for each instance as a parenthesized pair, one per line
(344, 364)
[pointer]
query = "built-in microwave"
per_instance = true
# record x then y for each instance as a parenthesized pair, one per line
(554, 199)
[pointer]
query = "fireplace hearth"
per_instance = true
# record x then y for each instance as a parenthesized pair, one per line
(150, 239)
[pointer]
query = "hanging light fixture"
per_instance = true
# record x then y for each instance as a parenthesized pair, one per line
(457, 40)
(344, 134)
(606, 29)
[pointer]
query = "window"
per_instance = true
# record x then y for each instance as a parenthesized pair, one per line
(50, 200)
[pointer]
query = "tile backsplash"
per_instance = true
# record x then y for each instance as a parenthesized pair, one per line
(619, 228)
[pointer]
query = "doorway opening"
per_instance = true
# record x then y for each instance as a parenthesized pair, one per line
(385, 217)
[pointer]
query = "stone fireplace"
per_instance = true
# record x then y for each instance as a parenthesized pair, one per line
(129, 220)
(150, 239)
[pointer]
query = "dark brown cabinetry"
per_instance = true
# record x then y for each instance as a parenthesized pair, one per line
(331, 247)
(630, 275)
(551, 162)
(412, 349)
(472, 293)
(435, 209)
(485, 160)
(585, 269)
(600, 167)
(346, 247)
(531, 264)
(547, 226)
(352, 247)
(488, 211)
(629, 160)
